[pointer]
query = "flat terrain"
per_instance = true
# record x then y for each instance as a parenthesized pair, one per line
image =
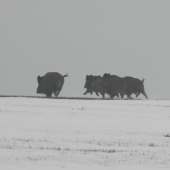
(38, 133)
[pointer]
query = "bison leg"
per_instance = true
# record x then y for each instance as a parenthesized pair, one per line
(97, 94)
(56, 94)
(110, 94)
(91, 92)
(117, 95)
(48, 95)
(145, 95)
(122, 95)
(129, 97)
(86, 92)
(137, 94)
(103, 95)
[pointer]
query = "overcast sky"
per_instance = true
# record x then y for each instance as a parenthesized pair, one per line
(124, 38)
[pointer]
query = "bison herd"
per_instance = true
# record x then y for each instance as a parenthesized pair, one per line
(114, 86)
(108, 84)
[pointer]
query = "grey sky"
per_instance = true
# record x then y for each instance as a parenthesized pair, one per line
(124, 38)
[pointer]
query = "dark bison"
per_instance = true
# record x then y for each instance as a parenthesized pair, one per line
(94, 84)
(50, 83)
(88, 84)
(97, 86)
(113, 85)
(134, 86)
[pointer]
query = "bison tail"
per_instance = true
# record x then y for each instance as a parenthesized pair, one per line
(65, 75)
(143, 80)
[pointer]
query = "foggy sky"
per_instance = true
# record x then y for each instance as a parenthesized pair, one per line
(124, 38)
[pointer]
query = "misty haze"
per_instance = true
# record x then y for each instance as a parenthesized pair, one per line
(84, 84)
(84, 38)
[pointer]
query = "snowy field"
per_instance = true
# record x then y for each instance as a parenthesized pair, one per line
(38, 133)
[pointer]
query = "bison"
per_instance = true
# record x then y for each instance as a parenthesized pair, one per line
(93, 84)
(113, 85)
(50, 83)
(135, 86)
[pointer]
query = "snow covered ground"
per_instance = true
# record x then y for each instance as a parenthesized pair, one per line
(38, 133)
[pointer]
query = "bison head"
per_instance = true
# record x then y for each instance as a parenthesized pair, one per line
(39, 89)
(89, 81)
(39, 79)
